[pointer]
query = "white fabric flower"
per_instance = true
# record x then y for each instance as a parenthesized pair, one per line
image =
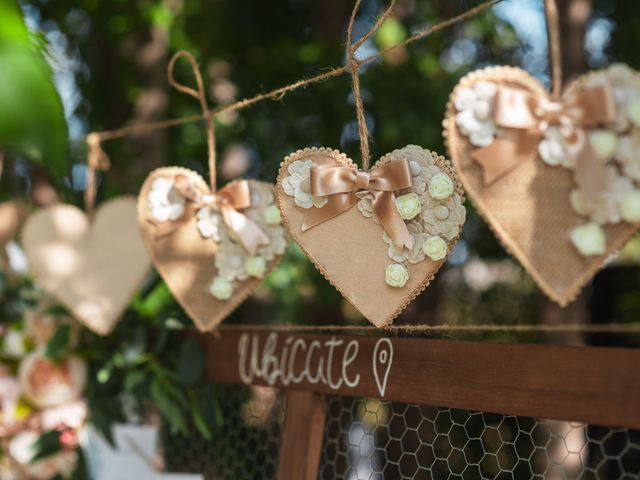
(474, 119)
(209, 221)
(443, 217)
(408, 205)
(630, 207)
(396, 275)
(441, 186)
(589, 239)
(297, 185)
(552, 149)
(414, 255)
(435, 248)
(164, 202)
(46, 384)
(271, 215)
(605, 208)
(221, 288)
(255, 266)
(626, 91)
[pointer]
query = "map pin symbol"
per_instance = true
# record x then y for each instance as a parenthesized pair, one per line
(382, 359)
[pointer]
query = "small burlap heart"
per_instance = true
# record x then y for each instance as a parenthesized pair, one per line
(202, 260)
(352, 249)
(92, 268)
(556, 179)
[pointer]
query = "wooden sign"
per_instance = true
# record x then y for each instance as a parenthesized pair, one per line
(584, 384)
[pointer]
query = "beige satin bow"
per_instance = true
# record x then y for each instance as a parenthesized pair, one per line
(228, 200)
(527, 116)
(341, 182)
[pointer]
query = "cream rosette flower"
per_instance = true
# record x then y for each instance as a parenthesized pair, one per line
(255, 266)
(606, 207)
(435, 248)
(589, 239)
(262, 194)
(630, 207)
(408, 205)
(396, 275)
(46, 384)
(627, 154)
(553, 150)
(298, 185)
(164, 202)
(221, 288)
(271, 215)
(441, 186)
(474, 117)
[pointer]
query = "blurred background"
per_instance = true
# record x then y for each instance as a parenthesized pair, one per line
(95, 65)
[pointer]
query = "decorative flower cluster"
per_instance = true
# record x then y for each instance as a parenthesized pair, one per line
(233, 263)
(617, 146)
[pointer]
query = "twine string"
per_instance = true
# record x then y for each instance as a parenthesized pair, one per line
(555, 54)
(279, 93)
(97, 159)
(611, 328)
(201, 96)
(354, 68)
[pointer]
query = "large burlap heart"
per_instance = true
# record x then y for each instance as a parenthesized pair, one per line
(559, 235)
(352, 250)
(201, 249)
(92, 268)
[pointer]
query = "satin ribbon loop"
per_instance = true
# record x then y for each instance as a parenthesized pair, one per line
(528, 116)
(228, 200)
(341, 183)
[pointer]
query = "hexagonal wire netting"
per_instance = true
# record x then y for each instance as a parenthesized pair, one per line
(374, 440)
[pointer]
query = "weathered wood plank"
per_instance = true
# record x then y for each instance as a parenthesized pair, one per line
(586, 384)
(302, 437)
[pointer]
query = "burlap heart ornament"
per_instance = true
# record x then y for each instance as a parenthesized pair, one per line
(93, 268)
(212, 250)
(558, 180)
(379, 236)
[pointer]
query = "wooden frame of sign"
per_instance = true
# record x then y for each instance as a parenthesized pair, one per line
(585, 384)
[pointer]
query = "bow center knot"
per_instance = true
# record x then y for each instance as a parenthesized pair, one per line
(362, 180)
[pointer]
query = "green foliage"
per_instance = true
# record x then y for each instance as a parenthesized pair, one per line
(56, 348)
(47, 444)
(32, 121)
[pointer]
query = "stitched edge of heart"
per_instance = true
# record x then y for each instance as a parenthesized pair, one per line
(136, 286)
(440, 161)
(503, 74)
(235, 301)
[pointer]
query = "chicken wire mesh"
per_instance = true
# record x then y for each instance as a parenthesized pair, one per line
(374, 440)
(245, 444)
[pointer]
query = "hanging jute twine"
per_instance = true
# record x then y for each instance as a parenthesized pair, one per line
(98, 160)
(555, 55)
(201, 96)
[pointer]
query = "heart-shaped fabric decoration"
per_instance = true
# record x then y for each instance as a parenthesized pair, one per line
(213, 251)
(92, 268)
(355, 233)
(558, 181)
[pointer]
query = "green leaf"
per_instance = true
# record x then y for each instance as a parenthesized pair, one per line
(133, 379)
(47, 444)
(57, 347)
(169, 408)
(190, 362)
(32, 121)
(200, 423)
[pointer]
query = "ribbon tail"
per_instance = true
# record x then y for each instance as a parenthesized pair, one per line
(504, 155)
(337, 204)
(384, 206)
(248, 233)
(591, 175)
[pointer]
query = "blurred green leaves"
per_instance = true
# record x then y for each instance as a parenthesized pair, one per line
(32, 121)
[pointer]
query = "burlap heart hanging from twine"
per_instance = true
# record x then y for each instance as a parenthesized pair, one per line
(378, 235)
(212, 247)
(557, 177)
(91, 262)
